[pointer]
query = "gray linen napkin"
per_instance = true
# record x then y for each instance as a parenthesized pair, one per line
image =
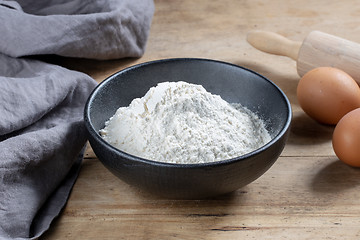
(42, 135)
(97, 29)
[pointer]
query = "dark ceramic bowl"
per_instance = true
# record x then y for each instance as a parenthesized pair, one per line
(189, 181)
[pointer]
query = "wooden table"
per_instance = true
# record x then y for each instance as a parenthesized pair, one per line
(307, 194)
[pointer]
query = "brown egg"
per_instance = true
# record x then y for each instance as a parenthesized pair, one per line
(326, 94)
(346, 138)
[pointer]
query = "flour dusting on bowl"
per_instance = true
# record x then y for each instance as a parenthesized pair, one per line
(179, 122)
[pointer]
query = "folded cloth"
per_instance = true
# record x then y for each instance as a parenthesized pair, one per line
(97, 29)
(42, 135)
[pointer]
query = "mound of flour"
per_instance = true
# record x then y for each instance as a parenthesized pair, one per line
(178, 122)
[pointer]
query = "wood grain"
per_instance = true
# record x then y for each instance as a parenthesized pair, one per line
(320, 49)
(307, 194)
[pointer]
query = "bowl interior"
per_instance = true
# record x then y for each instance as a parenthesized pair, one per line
(233, 83)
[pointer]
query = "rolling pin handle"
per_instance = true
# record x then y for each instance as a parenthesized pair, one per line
(273, 43)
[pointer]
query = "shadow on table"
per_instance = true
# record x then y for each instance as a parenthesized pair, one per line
(335, 178)
(306, 131)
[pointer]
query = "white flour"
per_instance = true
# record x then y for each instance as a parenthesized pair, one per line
(178, 122)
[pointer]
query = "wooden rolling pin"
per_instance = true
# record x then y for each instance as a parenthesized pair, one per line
(317, 50)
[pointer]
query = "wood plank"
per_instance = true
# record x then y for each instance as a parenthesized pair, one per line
(316, 197)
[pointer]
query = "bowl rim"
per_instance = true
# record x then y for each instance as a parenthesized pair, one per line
(91, 130)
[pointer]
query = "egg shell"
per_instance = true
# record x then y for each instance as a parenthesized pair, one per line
(326, 94)
(346, 138)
